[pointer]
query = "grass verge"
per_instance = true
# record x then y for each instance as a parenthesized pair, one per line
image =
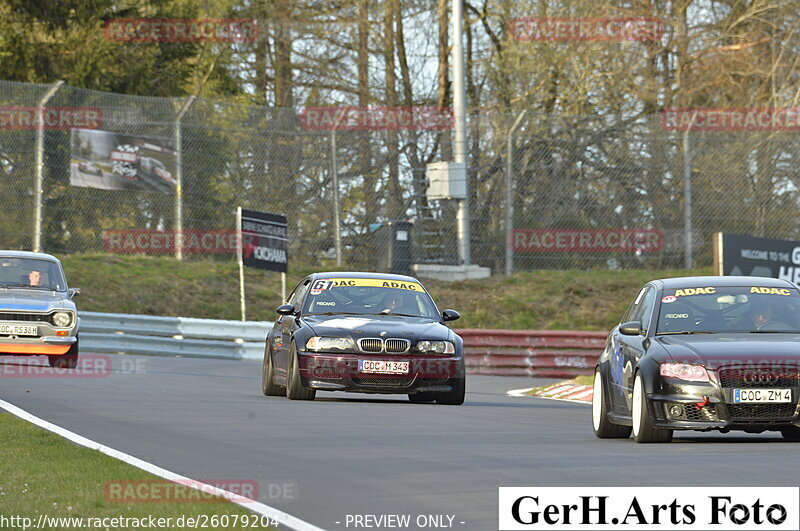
(557, 300)
(44, 474)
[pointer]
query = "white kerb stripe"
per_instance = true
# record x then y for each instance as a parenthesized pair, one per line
(283, 518)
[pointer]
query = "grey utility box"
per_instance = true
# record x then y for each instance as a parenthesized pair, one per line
(446, 180)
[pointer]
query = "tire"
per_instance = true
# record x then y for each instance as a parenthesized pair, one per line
(791, 433)
(643, 429)
(294, 388)
(66, 361)
(456, 396)
(421, 398)
(268, 385)
(604, 428)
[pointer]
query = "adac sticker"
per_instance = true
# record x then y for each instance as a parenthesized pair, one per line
(695, 291)
(377, 283)
(669, 299)
(770, 291)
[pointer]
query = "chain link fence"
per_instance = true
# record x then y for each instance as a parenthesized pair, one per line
(586, 192)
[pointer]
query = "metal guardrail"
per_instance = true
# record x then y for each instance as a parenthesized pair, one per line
(172, 336)
(544, 353)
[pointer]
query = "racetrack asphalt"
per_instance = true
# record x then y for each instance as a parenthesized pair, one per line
(355, 454)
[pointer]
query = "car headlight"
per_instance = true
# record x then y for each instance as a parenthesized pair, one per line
(62, 319)
(684, 371)
(436, 347)
(319, 344)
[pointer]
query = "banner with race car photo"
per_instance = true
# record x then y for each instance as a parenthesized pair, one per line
(113, 161)
(736, 254)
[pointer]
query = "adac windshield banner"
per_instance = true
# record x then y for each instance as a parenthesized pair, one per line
(264, 240)
(113, 161)
(736, 254)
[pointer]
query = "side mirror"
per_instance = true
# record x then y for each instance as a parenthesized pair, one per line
(631, 328)
(450, 315)
(285, 309)
(73, 292)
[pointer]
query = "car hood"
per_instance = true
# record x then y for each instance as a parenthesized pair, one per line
(716, 350)
(377, 326)
(32, 300)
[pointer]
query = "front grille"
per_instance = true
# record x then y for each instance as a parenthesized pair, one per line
(761, 411)
(397, 345)
(743, 378)
(25, 317)
(376, 344)
(383, 381)
(371, 344)
(706, 413)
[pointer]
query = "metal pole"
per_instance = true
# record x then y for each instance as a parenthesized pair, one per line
(509, 199)
(337, 229)
(460, 130)
(687, 195)
(240, 260)
(283, 287)
(38, 188)
(179, 179)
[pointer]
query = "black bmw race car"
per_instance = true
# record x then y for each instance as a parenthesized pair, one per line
(363, 332)
(702, 353)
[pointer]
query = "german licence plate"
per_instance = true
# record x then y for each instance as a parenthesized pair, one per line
(770, 396)
(383, 367)
(19, 330)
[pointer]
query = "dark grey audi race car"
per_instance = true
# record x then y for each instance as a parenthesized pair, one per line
(363, 332)
(702, 353)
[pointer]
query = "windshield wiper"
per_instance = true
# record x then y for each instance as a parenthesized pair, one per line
(775, 331)
(685, 332)
(28, 286)
(333, 313)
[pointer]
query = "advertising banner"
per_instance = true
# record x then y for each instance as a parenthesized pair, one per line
(264, 240)
(736, 254)
(113, 161)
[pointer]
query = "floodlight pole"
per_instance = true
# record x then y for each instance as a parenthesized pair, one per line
(337, 228)
(460, 130)
(687, 196)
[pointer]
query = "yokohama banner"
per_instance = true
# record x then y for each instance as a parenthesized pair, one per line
(264, 240)
(587, 240)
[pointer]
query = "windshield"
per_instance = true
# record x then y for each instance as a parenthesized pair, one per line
(31, 273)
(369, 296)
(714, 309)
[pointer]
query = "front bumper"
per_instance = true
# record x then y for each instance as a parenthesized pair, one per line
(339, 372)
(47, 345)
(708, 406)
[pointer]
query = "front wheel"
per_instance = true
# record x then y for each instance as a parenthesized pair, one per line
(456, 396)
(604, 428)
(294, 387)
(268, 385)
(643, 429)
(65, 361)
(791, 433)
